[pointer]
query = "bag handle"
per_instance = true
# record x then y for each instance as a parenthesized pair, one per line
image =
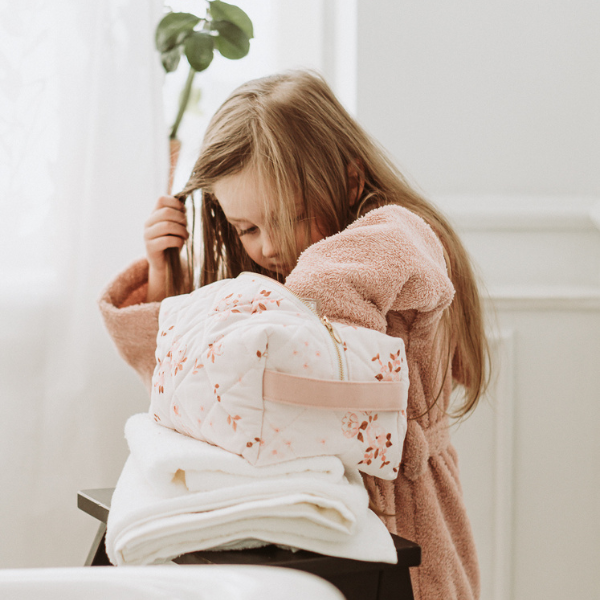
(330, 394)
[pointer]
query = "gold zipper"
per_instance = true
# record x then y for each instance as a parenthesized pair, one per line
(335, 336)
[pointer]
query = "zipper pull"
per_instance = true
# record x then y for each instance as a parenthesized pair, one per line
(314, 305)
(334, 334)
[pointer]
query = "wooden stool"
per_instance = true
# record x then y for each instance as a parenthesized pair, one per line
(357, 580)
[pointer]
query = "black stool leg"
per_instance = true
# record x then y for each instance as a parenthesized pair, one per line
(97, 554)
(395, 583)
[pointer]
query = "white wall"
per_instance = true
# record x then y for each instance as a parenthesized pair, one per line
(529, 454)
(499, 96)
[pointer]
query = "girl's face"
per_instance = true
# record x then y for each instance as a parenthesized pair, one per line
(240, 198)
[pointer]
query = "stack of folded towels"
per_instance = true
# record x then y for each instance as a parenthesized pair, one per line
(177, 494)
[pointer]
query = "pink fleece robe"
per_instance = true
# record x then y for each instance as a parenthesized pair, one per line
(386, 271)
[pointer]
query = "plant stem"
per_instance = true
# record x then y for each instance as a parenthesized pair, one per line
(183, 102)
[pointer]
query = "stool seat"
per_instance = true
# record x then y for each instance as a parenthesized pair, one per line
(357, 580)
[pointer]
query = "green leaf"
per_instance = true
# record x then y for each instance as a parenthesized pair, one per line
(199, 48)
(221, 11)
(170, 59)
(231, 42)
(173, 29)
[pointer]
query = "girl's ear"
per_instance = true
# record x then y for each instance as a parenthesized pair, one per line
(356, 181)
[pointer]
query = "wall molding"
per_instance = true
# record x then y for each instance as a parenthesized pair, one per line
(488, 212)
(543, 298)
(486, 448)
(503, 347)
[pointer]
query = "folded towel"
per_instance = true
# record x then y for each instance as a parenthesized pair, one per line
(172, 462)
(149, 524)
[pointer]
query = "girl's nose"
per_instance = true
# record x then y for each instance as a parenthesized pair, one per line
(268, 247)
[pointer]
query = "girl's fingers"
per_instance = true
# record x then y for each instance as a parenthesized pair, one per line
(165, 228)
(166, 214)
(158, 245)
(169, 202)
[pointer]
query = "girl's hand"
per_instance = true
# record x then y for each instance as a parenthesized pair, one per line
(165, 228)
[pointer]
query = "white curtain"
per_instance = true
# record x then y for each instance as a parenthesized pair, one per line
(83, 157)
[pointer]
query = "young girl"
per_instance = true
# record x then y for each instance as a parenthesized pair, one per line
(293, 188)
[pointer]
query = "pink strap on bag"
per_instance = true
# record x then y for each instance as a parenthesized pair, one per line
(330, 394)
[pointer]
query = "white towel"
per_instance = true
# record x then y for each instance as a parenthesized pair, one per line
(173, 462)
(149, 524)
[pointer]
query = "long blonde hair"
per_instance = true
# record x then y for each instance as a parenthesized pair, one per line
(299, 139)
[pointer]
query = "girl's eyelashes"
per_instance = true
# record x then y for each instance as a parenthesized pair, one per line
(250, 230)
(242, 232)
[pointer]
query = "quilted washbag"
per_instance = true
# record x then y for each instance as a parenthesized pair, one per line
(247, 365)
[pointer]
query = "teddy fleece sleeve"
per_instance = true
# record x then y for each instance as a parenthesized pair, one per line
(131, 321)
(390, 259)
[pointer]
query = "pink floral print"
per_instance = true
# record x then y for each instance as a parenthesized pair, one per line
(349, 425)
(371, 433)
(375, 435)
(215, 349)
(178, 357)
(231, 304)
(390, 370)
(262, 299)
(216, 392)
(159, 379)
(228, 305)
(233, 421)
(256, 440)
(164, 333)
